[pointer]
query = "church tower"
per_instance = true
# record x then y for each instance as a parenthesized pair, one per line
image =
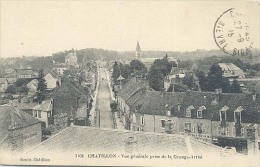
(138, 51)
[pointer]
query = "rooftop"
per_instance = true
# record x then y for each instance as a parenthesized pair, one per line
(12, 118)
(78, 138)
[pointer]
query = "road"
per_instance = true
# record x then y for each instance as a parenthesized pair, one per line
(103, 101)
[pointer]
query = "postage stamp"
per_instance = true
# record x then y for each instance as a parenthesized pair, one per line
(231, 33)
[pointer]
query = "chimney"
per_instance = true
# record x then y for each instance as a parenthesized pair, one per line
(252, 139)
(254, 97)
(15, 139)
(130, 143)
(218, 92)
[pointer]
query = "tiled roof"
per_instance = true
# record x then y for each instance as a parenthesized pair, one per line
(131, 86)
(215, 102)
(75, 138)
(45, 106)
(67, 95)
(157, 103)
(51, 72)
(26, 72)
(10, 117)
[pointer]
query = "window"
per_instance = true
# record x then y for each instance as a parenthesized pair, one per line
(199, 114)
(227, 131)
(49, 114)
(242, 131)
(203, 128)
(234, 131)
(237, 117)
(35, 113)
(163, 122)
(223, 114)
(188, 126)
(142, 120)
(179, 107)
(134, 118)
(223, 131)
(193, 129)
(188, 113)
(39, 114)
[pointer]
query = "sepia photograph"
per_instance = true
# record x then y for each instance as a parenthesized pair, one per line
(130, 83)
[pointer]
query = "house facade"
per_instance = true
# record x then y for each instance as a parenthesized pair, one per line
(71, 59)
(231, 71)
(224, 118)
(43, 112)
(126, 97)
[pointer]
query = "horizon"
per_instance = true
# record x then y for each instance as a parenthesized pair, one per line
(40, 28)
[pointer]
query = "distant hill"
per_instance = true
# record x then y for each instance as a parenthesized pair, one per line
(97, 54)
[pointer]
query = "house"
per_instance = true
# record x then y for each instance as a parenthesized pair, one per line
(60, 68)
(71, 60)
(43, 112)
(222, 117)
(25, 73)
(51, 80)
(152, 112)
(131, 88)
(231, 71)
(72, 99)
(3, 84)
(32, 86)
(19, 130)
(229, 119)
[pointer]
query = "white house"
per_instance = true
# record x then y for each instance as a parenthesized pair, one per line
(71, 60)
(51, 79)
(43, 112)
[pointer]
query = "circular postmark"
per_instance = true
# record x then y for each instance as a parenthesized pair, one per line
(231, 33)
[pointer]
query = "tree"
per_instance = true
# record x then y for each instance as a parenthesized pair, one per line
(113, 106)
(155, 78)
(11, 89)
(137, 65)
(42, 86)
(190, 82)
(216, 80)
(235, 87)
(180, 88)
(125, 70)
(116, 72)
(158, 71)
(23, 90)
(21, 82)
(203, 80)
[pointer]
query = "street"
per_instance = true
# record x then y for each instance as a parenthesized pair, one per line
(103, 102)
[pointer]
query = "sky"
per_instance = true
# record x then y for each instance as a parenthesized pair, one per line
(40, 28)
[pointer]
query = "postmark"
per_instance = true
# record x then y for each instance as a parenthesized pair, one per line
(232, 33)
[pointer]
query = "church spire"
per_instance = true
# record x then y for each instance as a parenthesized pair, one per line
(138, 50)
